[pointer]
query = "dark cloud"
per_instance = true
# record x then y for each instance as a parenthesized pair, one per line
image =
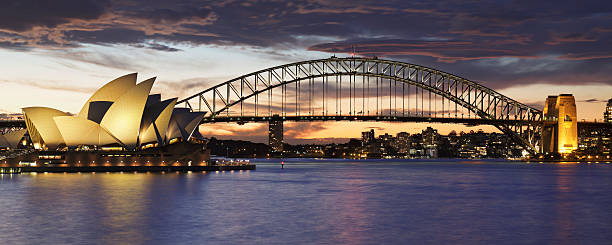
(301, 130)
(443, 51)
(501, 43)
(157, 46)
(24, 15)
(593, 101)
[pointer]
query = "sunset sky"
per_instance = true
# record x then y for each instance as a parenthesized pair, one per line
(56, 53)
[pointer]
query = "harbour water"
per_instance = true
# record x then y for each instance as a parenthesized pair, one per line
(316, 202)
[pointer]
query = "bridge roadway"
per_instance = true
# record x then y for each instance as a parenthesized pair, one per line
(387, 118)
(247, 119)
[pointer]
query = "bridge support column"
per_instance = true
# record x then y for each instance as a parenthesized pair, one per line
(560, 132)
(275, 135)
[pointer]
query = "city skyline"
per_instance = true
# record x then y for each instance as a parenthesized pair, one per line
(58, 58)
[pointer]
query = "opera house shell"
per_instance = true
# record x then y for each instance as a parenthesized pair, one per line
(120, 114)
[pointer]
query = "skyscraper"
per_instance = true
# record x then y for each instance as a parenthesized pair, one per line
(275, 134)
(608, 112)
(403, 142)
(367, 137)
(430, 141)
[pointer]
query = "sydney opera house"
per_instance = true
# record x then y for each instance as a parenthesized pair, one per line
(121, 123)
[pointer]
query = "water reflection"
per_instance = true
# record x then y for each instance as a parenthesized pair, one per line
(354, 203)
(348, 214)
(124, 205)
(564, 222)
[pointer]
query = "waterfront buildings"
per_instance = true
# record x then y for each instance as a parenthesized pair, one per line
(595, 142)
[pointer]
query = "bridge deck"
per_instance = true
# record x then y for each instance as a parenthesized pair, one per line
(468, 121)
(245, 119)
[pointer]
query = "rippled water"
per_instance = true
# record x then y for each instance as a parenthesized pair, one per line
(316, 202)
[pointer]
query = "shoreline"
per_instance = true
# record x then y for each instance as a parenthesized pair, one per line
(139, 169)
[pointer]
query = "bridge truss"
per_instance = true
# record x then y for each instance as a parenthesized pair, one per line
(365, 89)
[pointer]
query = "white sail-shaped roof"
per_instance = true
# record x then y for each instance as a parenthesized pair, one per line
(78, 131)
(110, 92)
(157, 120)
(121, 112)
(42, 127)
(13, 138)
(123, 118)
(183, 123)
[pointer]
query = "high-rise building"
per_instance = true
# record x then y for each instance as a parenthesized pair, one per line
(403, 142)
(275, 133)
(367, 137)
(560, 131)
(430, 136)
(430, 141)
(608, 112)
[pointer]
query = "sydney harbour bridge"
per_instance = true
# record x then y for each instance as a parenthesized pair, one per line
(362, 89)
(365, 89)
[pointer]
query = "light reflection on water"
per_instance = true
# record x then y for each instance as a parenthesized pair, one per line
(316, 202)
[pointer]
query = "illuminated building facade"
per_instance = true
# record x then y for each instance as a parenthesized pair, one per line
(549, 130)
(275, 134)
(120, 115)
(367, 137)
(608, 112)
(403, 142)
(430, 141)
(560, 131)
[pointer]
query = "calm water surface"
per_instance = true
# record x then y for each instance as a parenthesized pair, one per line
(316, 202)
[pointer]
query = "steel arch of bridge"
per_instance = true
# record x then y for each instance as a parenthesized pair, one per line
(517, 120)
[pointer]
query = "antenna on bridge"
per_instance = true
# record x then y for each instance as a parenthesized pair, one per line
(334, 51)
(352, 51)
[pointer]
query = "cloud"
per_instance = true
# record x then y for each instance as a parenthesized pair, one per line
(157, 46)
(593, 101)
(449, 35)
(558, 38)
(103, 59)
(25, 15)
(51, 85)
(302, 130)
(183, 88)
(586, 56)
(444, 51)
(68, 23)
